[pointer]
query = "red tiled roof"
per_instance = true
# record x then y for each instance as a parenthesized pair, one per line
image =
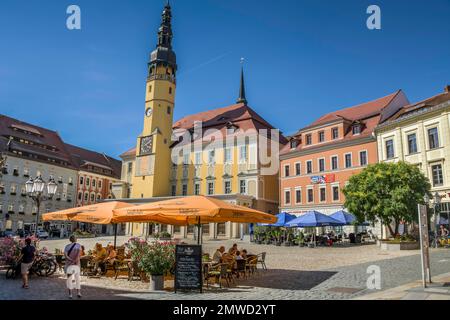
(429, 102)
(82, 157)
(357, 112)
(240, 115)
(39, 136)
(370, 114)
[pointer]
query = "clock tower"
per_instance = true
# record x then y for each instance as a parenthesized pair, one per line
(153, 156)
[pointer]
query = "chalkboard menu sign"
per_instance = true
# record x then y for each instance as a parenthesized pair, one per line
(188, 271)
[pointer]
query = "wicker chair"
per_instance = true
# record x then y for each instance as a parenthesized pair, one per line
(218, 272)
(134, 271)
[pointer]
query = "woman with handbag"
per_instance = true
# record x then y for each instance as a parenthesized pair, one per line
(72, 253)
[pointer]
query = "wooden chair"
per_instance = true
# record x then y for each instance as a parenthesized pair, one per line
(262, 260)
(218, 272)
(251, 264)
(86, 266)
(240, 268)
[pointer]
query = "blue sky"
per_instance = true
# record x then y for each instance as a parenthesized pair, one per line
(303, 59)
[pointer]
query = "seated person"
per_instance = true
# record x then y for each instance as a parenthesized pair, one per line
(229, 256)
(112, 254)
(99, 255)
(244, 254)
(234, 248)
(217, 257)
(238, 256)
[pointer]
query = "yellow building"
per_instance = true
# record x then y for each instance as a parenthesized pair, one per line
(230, 153)
(420, 134)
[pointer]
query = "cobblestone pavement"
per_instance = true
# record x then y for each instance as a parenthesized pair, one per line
(338, 273)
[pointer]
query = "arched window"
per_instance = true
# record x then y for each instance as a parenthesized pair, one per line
(169, 110)
(170, 90)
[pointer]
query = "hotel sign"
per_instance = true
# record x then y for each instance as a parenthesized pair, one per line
(328, 178)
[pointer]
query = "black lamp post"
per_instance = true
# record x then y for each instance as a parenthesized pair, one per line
(437, 203)
(35, 190)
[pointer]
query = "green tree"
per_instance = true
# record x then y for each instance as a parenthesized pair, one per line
(387, 192)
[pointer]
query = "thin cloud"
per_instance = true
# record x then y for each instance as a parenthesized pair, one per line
(204, 64)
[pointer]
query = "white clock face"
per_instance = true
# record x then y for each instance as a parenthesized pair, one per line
(148, 112)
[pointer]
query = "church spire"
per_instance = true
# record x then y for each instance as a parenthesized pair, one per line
(165, 34)
(242, 98)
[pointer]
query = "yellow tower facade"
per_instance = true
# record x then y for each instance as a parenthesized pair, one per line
(153, 154)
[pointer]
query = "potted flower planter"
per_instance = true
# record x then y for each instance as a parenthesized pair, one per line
(156, 283)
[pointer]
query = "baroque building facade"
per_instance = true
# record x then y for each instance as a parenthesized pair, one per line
(215, 153)
(420, 134)
(34, 151)
(320, 159)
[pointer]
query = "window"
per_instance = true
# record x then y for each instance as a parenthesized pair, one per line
(169, 110)
(211, 157)
(348, 160)
(93, 183)
(81, 180)
(310, 195)
(198, 158)
(438, 178)
(174, 190)
(335, 133)
(308, 139)
(242, 187)
(298, 195)
(210, 188)
(433, 138)
(321, 136)
(297, 169)
(323, 194)
(80, 196)
(321, 165)
(390, 149)
(86, 196)
(363, 158)
(88, 182)
(170, 90)
(221, 229)
(99, 197)
(185, 190)
(227, 155)
(130, 167)
(227, 187)
(309, 167)
(334, 163)
(149, 89)
(287, 196)
(335, 193)
(286, 170)
(186, 159)
(100, 184)
(356, 129)
(242, 154)
(197, 189)
(92, 197)
(293, 144)
(412, 143)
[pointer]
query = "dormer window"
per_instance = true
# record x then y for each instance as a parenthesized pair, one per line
(335, 133)
(321, 136)
(308, 139)
(356, 129)
(293, 144)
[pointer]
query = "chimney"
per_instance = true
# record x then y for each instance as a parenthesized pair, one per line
(447, 89)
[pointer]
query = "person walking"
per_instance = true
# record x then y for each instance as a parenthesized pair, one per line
(27, 257)
(72, 253)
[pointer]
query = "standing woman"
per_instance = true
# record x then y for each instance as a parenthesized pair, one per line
(27, 257)
(72, 253)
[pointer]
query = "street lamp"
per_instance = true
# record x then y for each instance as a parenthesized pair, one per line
(35, 190)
